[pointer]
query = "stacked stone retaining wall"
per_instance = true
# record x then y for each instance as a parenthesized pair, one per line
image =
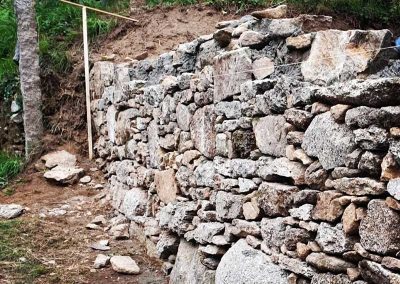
(241, 166)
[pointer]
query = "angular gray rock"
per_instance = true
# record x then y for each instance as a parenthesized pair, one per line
(393, 187)
(372, 138)
(328, 278)
(329, 141)
(228, 205)
(271, 135)
(10, 211)
(188, 267)
(243, 264)
(59, 158)
(276, 199)
(283, 168)
(124, 264)
(333, 240)
(331, 57)
(203, 132)
(64, 175)
(232, 63)
(329, 263)
(205, 232)
(359, 186)
(374, 273)
(376, 229)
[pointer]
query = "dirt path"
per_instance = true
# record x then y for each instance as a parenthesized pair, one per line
(54, 240)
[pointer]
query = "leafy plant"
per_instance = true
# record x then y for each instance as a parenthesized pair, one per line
(10, 166)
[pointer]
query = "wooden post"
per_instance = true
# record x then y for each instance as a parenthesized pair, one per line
(87, 85)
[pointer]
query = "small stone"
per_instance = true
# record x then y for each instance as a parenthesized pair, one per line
(303, 212)
(359, 186)
(10, 211)
(252, 39)
(332, 239)
(271, 135)
(124, 264)
(91, 226)
(392, 203)
(98, 246)
(318, 108)
(391, 263)
(64, 174)
(271, 13)
(85, 180)
(328, 208)
(166, 185)
(390, 168)
(375, 273)
(251, 211)
(353, 273)
(99, 220)
(299, 42)
(339, 112)
(372, 138)
(120, 231)
(101, 261)
(303, 250)
(351, 220)
(276, 199)
(370, 163)
(263, 67)
(393, 187)
(325, 262)
(376, 229)
(329, 278)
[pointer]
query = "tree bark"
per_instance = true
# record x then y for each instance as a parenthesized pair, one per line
(29, 76)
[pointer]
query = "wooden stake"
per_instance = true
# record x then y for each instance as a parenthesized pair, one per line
(87, 85)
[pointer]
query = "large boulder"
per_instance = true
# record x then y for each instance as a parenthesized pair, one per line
(329, 141)
(59, 158)
(341, 55)
(188, 267)
(243, 264)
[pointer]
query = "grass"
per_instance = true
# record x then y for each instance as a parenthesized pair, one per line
(10, 166)
(15, 261)
(59, 28)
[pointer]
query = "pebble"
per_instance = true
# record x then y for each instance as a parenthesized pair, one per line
(124, 264)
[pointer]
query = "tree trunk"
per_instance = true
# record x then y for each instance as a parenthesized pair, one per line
(29, 76)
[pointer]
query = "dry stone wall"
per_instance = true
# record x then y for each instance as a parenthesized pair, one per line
(242, 167)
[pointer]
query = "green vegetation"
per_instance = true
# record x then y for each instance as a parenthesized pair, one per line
(59, 27)
(14, 258)
(10, 166)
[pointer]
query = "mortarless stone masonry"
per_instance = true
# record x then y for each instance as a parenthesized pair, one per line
(278, 180)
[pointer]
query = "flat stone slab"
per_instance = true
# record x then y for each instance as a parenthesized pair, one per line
(64, 174)
(59, 158)
(124, 264)
(10, 211)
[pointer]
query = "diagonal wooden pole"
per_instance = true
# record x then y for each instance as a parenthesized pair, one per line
(87, 83)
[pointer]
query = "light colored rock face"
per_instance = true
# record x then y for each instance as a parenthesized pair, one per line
(124, 264)
(329, 141)
(342, 55)
(203, 131)
(243, 264)
(333, 240)
(376, 229)
(263, 67)
(10, 211)
(328, 278)
(134, 203)
(375, 273)
(188, 267)
(228, 73)
(166, 186)
(59, 158)
(276, 199)
(64, 175)
(271, 135)
(272, 13)
(393, 187)
(111, 118)
(359, 186)
(183, 117)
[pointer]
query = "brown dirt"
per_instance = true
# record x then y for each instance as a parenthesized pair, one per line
(64, 239)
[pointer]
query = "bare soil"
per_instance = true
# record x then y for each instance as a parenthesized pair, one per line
(61, 243)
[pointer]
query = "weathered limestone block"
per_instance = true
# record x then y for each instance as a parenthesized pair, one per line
(276, 199)
(270, 135)
(204, 174)
(228, 73)
(102, 75)
(329, 141)
(263, 67)
(155, 151)
(167, 244)
(166, 186)
(299, 118)
(271, 13)
(243, 264)
(377, 229)
(364, 116)
(252, 39)
(111, 119)
(393, 187)
(203, 132)
(335, 54)
(228, 109)
(299, 42)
